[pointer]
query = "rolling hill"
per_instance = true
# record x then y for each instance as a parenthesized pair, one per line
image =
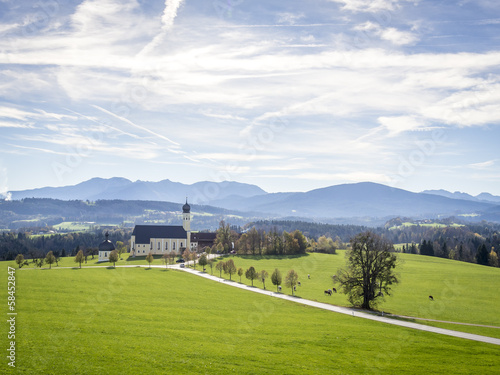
(350, 202)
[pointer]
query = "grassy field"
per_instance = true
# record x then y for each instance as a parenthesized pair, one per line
(156, 321)
(462, 292)
(429, 225)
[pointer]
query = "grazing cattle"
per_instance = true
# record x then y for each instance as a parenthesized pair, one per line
(334, 290)
(308, 276)
(329, 292)
(300, 284)
(279, 288)
(431, 298)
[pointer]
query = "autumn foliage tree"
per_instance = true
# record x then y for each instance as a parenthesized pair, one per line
(79, 258)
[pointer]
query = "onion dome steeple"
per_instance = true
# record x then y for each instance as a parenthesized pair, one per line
(186, 208)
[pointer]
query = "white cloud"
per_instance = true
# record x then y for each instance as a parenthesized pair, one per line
(399, 124)
(289, 18)
(372, 5)
(391, 34)
(483, 165)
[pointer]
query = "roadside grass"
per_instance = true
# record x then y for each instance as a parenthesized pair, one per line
(131, 320)
(463, 292)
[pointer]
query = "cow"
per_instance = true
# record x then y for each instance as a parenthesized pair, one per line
(308, 276)
(300, 284)
(279, 288)
(334, 290)
(329, 292)
(431, 298)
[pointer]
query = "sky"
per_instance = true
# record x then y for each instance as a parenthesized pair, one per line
(288, 95)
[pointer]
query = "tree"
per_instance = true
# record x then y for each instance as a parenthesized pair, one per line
(20, 260)
(493, 262)
(203, 261)
(326, 245)
(58, 258)
(369, 271)
(482, 255)
(186, 254)
(50, 259)
(251, 274)
(276, 278)
(120, 247)
(149, 258)
(114, 256)
(172, 256)
(193, 256)
(263, 276)
(291, 280)
(211, 265)
(230, 268)
(79, 257)
(166, 259)
(219, 267)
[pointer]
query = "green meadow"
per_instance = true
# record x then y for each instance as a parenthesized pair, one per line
(157, 321)
(463, 292)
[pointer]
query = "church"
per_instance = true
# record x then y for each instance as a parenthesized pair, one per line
(160, 239)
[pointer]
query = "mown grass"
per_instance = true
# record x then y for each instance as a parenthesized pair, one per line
(155, 321)
(463, 292)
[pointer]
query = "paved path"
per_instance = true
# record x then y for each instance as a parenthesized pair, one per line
(348, 311)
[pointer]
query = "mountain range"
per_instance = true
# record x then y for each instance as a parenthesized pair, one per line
(124, 189)
(358, 200)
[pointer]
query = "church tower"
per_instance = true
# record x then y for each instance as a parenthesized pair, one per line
(186, 223)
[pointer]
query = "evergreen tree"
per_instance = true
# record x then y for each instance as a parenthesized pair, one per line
(482, 255)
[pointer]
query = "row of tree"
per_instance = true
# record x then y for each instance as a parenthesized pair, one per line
(273, 242)
(229, 268)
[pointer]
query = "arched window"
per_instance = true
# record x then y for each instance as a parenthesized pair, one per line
(173, 246)
(166, 245)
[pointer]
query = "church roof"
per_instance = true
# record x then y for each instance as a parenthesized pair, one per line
(144, 233)
(106, 245)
